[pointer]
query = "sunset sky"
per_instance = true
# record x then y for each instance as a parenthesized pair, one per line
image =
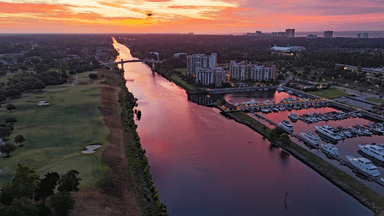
(184, 16)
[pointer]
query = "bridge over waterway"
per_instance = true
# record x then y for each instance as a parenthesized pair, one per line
(121, 62)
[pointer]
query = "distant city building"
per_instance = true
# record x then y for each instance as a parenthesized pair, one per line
(258, 33)
(312, 36)
(178, 54)
(207, 76)
(281, 34)
(252, 72)
(288, 48)
(196, 61)
(362, 35)
(274, 34)
(328, 34)
(290, 32)
(251, 34)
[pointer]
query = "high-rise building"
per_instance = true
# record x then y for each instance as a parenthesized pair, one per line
(290, 32)
(281, 34)
(312, 36)
(328, 34)
(196, 61)
(207, 76)
(274, 34)
(362, 35)
(252, 72)
(258, 33)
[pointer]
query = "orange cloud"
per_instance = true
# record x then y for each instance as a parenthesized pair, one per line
(30, 8)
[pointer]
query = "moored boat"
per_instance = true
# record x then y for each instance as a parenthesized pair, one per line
(330, 149)
(374, 150)
(286, 126)
(310, 138)
(327, 131)
(364, 165)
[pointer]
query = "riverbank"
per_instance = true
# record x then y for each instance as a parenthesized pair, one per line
(123, 189)
(341, 179)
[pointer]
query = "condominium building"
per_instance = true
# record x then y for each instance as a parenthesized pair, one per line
(290, 32)
(312, 36)
(328, 34)
(196, 61)
(252, 72)
(362, 35)
(207, 76)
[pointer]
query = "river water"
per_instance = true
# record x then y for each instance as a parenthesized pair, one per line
(205, 164)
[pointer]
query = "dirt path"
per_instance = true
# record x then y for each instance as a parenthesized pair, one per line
(116, 195)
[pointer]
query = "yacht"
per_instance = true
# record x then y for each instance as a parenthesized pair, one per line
(364, 165)
(286, 126)
(293, 116)
(327, 131)
(374, 150)
(265, 110)
(279, 88)
(274, 109)
(330, 149)
(310, 138)
(290, 92)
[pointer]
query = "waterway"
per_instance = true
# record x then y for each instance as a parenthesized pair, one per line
(205, 164)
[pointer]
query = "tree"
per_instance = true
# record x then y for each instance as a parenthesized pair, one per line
(11, 107)
(6, 194)
(21, 207)
(69, 181)
(271, 135)
(10, 120)
(7, 148)
(284, 139)
(5, 131)
(46, 186)
(223, 101)
(39, 85)
(25, 182)
(93, 76)
(138, 115)
(19, 139)
(63, 203)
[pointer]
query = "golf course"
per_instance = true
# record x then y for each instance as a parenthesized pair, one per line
(57, 133)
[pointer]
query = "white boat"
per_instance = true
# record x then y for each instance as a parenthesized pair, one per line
(374, 150)
(364, 165)
(293, 116)
(286, 126)
(290, 92)
(264, 110)
(327, 131)
(330, 149)
(279, 88)
(310, 138)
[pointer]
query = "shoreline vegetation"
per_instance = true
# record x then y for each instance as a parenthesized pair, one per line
(141, 185)
(362, 193)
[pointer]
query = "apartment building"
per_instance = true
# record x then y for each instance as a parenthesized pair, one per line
(207, 76)
(252, 72)
(196, 61)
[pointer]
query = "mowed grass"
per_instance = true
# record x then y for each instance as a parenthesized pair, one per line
(182, 83)
(56, 134)
(182, 70)
(329, 93)
(376, 100)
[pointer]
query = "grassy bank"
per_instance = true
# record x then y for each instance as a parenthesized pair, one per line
(329, 93)
(56, 134)
(376, 100)
(178, 81)
(341, 179)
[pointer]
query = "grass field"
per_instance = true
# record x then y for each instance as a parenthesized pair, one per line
(376, 100)
(181, 82)
(182, 70)
(329, 93)
(56, 134)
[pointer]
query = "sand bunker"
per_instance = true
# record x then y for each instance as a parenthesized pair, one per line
(90, 149)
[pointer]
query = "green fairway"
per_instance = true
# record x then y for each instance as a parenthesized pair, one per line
(329, 93)
(56, 134)
(376, 100)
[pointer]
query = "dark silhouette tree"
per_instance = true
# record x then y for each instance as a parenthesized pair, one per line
(10, 120)
(7, 148)
(46, 186)
(19, 139)
(62, 203)
(11, 107)
(69, 181)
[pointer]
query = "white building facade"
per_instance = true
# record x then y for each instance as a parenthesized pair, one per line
(207, 76)
(196, 61)
(246, 71)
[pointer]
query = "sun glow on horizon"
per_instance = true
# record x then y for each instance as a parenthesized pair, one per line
(181, 16)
